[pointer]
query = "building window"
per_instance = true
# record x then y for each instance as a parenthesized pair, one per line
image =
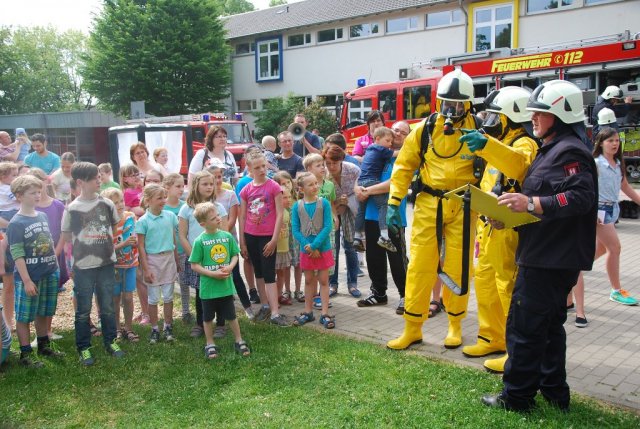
(247, 105)
(299, 40)
(542, 5)
(269, 60)
(398, 25)
(330, 35)
(442, 19)
(245, 48)
(329, 101)
(493, 27)
(363, 30)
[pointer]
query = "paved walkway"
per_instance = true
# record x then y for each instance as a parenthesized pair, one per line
(603, 360)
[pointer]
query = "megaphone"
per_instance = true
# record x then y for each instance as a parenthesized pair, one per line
(297, 130)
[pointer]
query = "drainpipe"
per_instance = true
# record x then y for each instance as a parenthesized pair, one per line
(466, 23)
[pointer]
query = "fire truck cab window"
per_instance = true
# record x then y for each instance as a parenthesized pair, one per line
(198, 134)
(387, 104)
(417, 102)
(358, 109)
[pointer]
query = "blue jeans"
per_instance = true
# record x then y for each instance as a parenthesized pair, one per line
(86, 282)
(352, 263)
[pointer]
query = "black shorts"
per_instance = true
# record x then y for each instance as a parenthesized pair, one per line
(223, 307)
(263, 266)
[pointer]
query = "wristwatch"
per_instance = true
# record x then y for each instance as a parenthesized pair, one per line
(530, 206)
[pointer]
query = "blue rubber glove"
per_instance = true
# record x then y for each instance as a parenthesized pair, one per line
(474, 139)
(394, 220)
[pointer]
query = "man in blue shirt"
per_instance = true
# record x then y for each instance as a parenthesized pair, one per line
(41, 157)
(309, 143)
(376, 255)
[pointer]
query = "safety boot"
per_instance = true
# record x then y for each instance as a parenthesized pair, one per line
(482, 348)
(496, 365)
(412, 334)
(454, 336)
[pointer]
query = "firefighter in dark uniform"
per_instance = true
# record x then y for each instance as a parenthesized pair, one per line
(561, 188)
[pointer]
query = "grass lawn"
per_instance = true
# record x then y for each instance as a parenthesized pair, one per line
(295, 378)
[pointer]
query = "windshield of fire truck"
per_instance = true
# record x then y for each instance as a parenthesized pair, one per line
(236, 133)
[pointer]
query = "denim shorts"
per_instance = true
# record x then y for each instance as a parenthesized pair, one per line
(155, 293)
(125, 280)
(611, 212)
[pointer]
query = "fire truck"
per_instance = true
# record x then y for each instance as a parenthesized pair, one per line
(182, 135)
(591, 64)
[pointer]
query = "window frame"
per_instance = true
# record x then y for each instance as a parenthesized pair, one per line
(406, 30)
(252, 49)
(371, 34)
(492, 4)
(253, 102)
(451, 19)
(257, 56)
(305, 36)
(335, 35)
(560, 7)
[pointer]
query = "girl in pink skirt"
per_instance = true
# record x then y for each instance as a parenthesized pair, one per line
(311, 224)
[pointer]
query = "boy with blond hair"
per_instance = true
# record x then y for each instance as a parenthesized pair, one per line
(36, 278)
(105, 175)
(373, 162)
(214, 255)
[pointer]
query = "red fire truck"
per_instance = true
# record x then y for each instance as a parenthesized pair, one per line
(182, 135)
(591, 64)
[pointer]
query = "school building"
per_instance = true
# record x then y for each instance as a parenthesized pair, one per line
(318, 49)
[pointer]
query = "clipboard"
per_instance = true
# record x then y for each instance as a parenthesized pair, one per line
(487, 204)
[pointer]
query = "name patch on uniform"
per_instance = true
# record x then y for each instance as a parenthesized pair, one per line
(562, 199)
(571, 169)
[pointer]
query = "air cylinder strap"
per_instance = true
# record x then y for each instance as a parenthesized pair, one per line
(463, 288)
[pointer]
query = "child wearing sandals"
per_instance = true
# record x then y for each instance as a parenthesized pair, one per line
(213, 256)
(125, 245)
(311, 220)
(201, 189)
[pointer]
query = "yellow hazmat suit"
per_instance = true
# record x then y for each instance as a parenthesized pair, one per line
(441, 171)
(495, 272)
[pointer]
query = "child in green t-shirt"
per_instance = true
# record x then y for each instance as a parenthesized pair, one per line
(213, 256)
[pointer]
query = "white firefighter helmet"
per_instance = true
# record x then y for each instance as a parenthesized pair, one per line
(561, 98)
(455, 86)
(606, 117)
(510, 101)
(611, 92)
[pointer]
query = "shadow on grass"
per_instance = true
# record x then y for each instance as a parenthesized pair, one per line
(295, 377)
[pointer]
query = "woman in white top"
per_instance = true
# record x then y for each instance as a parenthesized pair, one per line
(139, 155)
(215, 148)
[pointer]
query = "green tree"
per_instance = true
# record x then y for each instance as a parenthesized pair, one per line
(39, 70)
(321, 118)
(234, 7)
(273, 3)
(169, 53)
(277, 115)
(279, 112)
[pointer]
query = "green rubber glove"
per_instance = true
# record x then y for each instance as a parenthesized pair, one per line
(474, 139)
(394, 220)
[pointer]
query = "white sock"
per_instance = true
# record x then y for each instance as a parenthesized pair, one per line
(384, 234)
